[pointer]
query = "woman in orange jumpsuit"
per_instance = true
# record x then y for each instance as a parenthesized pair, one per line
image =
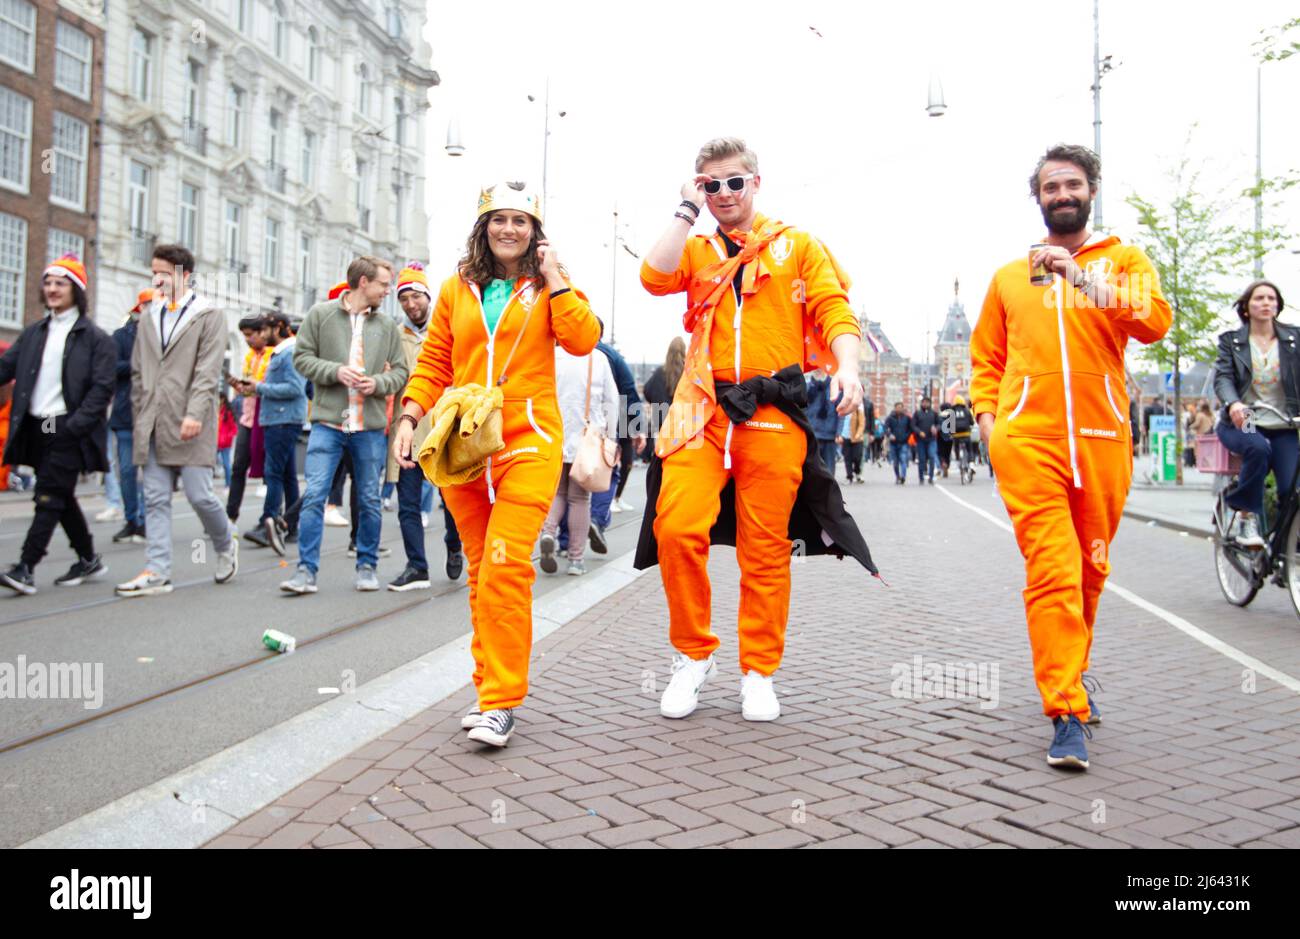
(508, 286)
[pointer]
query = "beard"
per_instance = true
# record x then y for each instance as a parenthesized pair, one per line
(1067, 218)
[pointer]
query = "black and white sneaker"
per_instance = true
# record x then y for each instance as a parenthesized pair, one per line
(494, 727)
(455, 564)
(129, 532)
(84, 569)
(596, 538)
(274, 530)
(410, 579)
(473, 717)
(19, 579)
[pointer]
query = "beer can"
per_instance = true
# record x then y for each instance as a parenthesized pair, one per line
(277, 641)
(1039, 275)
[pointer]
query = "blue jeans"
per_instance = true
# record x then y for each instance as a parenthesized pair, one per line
(426, 497)
(409, 498)
(1278, 450)
(325, 447)
(278, 469)
(900, 455)
(127, 479)
(224, 456)
(828, 450)
(927, 457)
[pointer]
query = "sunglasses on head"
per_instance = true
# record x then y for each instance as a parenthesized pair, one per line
(734, 183)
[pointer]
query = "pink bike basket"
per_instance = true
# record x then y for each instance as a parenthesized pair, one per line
(1213, 457)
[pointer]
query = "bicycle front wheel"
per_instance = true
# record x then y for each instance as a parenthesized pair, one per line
(1291, 560)
(1234, 566)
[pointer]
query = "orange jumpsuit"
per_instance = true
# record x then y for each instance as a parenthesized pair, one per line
(1050, 365)
(791, 283)
(500, 514)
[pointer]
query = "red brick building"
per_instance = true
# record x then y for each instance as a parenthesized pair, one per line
(51, 88)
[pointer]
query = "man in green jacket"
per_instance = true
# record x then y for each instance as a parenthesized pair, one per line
(352, 354)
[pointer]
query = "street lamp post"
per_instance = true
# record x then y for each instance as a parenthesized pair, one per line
(546, 138)
(1100, 67)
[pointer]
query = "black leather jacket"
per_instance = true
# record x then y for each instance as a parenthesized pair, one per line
(1232, 376)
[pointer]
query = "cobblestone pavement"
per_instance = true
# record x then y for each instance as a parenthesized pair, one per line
(1190, 752)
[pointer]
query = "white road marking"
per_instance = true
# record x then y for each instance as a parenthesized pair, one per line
(1182, 625)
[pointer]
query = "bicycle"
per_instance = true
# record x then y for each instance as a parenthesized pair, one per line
(962, 446)
(1242, 570)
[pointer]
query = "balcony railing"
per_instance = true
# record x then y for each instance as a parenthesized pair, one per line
(275, 176)
(142, 245)
(195, 136)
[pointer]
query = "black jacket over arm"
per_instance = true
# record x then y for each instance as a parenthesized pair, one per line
(89, 375)
(1232, 372)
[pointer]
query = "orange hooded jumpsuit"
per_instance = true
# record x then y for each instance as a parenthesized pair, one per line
(1050, 365)
(500, 514)
(790, 290)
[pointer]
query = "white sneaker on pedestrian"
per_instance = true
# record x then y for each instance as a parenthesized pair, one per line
(473, 717)
(334, 518)
(424, 519)
(624, 505)
(388, 504)
(261, 491)
(110, 514)
(145, 584)
(615, 508)
(683, 692)
(227, 562)
(758, 698)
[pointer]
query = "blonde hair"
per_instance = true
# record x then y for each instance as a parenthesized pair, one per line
(720, 148)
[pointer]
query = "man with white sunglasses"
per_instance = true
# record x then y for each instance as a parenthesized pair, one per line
(766, 303)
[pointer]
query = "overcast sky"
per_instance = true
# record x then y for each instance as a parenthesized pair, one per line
(837, 117)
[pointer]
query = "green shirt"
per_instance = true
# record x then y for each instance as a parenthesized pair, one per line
(495, 297)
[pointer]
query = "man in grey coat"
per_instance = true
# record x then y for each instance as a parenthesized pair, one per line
(175, 380)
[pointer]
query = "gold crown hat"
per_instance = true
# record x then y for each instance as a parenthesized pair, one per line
(510, 195)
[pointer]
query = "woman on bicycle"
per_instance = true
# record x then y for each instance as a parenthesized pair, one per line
(1258, 363)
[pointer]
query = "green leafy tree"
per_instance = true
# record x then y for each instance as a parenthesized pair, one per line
(1203, 246)
(1279, 43)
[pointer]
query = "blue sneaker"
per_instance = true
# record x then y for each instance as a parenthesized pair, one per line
(1090, 685)
(1068, 748)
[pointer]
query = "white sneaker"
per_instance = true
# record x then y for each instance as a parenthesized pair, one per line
(683, 691)
(334, 518)
(261, 491)
(1248, 535)
(227, 562)
(388, 504)
(758, 698)
(110, 514)
(615, 507)
(424, 519)
(624, 505)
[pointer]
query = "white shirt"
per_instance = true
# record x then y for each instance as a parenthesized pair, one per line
(571, 394)
(47, 396)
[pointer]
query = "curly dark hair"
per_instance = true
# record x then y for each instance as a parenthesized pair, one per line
(1242, 305)
(1082, 157)
(480, 266)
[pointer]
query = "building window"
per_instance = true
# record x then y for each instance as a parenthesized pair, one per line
(235, 116)
(271, 252)
(68, 183)
(399, 122)
(313, 54)
(138, 187)
(59, 242)
(72, 54)
(394, 21)
(244, 15)
(18, 34)
(280, 24)
(188, 226)
(141, 64)
(363, 195)
(234, 238)
(276, 135)
(13, 267)
(363, 90)
(193, 93)
(15, 139)
(308, 158)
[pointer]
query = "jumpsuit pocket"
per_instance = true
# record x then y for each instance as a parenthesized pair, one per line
(1040, 411)
(524, 437)
(1097, 414)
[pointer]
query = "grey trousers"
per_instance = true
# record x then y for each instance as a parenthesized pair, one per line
(197, 482)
